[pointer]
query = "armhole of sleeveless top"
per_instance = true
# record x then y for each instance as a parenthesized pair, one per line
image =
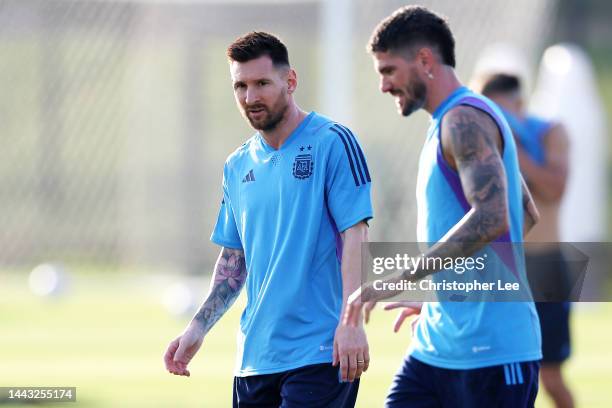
(501, 134)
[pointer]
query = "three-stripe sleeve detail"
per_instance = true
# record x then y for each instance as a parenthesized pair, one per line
(348, 153)
(351, 144)
(357, 162)
(360, 152)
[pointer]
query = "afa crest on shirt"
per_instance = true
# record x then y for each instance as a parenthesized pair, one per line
(302, 166)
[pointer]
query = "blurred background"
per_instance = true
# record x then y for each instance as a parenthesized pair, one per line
(117, 117)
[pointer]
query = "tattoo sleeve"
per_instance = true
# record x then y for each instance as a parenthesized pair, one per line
(472, 144)
(228, 279)
(475, 144)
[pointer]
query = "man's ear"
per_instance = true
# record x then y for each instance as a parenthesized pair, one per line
(291, 81)
(426, 59)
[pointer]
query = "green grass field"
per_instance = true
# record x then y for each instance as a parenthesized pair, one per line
(108, 334)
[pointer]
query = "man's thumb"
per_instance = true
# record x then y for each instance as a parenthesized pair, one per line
(180, 355)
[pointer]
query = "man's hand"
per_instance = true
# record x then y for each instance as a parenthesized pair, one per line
(409, 309)
(182, 349)
(228, 279)
(351, 351)
(367, 310)
(366, 298)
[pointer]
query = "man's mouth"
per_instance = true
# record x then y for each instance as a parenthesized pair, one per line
(256, 110)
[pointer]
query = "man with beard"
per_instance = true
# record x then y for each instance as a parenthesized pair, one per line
(296, 198)
(470, 194)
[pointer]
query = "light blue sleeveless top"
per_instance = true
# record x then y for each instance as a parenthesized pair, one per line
(464, 333)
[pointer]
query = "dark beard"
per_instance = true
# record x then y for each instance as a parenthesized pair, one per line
(273, 120)
(419, 92)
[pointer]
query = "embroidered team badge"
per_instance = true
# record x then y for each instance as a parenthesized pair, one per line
(302, 166)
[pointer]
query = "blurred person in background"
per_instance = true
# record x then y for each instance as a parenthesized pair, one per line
(542, 148)
(470, 195)
(296, 199)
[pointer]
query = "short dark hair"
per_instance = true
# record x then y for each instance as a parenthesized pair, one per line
(499, 83)
(256, 44)
(414, 25)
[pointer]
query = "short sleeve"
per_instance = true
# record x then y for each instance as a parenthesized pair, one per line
(225, 232)
(348, 181)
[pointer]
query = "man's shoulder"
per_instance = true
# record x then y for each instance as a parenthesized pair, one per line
(537, 119)
(241, 152)
(466, 130)
(543, 127)
(469, 119)
(320, 124)
(466, 112)
(329, 131)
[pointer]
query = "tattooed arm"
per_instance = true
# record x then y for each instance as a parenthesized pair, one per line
(471, 144)
(227, 281)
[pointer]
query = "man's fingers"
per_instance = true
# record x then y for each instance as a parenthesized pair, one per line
(344, 367)
(366, 357)
(180, 368)
(399, 320)
(395, 305)
(403, 315)
(352, 367)
(184, 373)
(414, 323)
(169, 355)
(359, 365)
(367, 309)
(181, 356)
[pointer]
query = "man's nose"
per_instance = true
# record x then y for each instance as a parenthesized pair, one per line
(385, 85)
(252, 96)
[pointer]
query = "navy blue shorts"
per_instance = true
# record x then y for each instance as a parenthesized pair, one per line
(554, 322)
(420, 385)
(311, 386)
(548, 271)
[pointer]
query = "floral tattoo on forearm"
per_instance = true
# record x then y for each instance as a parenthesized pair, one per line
(228, 279)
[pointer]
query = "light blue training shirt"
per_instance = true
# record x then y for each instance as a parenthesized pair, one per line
(285, 209)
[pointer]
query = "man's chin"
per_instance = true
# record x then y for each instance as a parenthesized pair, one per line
(408, 111)
(258, 124)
